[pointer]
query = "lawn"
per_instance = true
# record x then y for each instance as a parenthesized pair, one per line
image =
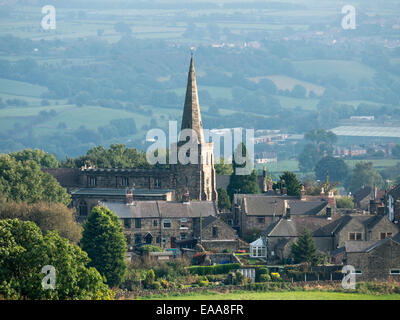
(286, 295)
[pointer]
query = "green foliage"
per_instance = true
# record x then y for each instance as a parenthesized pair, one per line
(223, 168)
(117, 156)
(304, 249)
(363, 175)
(335, 168)
(149, 279)
(24, 251)
(47, 216)
(25, 181)
(264, 278)
(261, 273)
(290, 181)
(202, 281)
(150, 248)
(44, 159)
(224, 202)
(104, 241)
(217, 269)
(308, 158)
(239, 182)
(345, 203)
(235, 278)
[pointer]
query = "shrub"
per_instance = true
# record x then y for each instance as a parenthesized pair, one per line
(149, 280)
(260, 272)
(265, 277)
(156, 285)
(165, 284)
(275, 276)
(217, 269)
(150, 248)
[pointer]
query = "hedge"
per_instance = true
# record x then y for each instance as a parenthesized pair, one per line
(217, 269)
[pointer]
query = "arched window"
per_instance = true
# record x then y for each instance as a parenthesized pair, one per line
(83, 208)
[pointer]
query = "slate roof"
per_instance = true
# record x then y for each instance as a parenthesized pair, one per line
(268, 205)
(362, 194)
(119, 192)
(66, 177)
(358, 246)
(395, 192)
(162, 209)
(319, 226)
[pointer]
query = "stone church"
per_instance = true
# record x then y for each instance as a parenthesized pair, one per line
(197, 181)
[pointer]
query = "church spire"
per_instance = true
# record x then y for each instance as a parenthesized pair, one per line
(191, 118)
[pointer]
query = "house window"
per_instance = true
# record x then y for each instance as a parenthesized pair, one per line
(356, 272)
(158, 239)
(184, 223)
(183, 236)
(92, 181)
(395, 271)
(138, 223)
(83, 209)
(357, 236)
(167, 223)
(385, 235)
(155, 223)
(215, 232)
(127, 223)
(138, 239)
(157, 183)
(261, 220)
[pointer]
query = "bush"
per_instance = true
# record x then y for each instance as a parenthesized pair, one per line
(156, 285)
(265, 278)
(150, 248)
(217, 269)
(149, 280)
(344, 202)
(260, 272)
(275, 276)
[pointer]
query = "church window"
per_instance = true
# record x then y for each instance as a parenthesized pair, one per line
(124, 181)
(92, 181)
(83, 209)
(157, 183)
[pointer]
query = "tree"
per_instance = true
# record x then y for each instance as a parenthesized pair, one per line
(104, 241)
(47, 216)
(335, 168)
(44, 159)
(304, 249)
(242, 183)
(292, 184)
(25, 181)
(223, 168)
(344, 202)
(322, 140)
(396, 151)
(363, 175)
(223, 199)
(24, 251)
(308, 158)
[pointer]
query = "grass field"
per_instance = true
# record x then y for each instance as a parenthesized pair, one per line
(351, 71)
(289, 295)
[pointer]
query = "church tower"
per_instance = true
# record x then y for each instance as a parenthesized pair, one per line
(199, 177)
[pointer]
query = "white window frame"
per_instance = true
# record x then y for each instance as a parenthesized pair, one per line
(170, 223)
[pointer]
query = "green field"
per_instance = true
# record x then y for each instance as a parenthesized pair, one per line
(290, 295)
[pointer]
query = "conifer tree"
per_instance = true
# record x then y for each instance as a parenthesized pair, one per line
(304, 249)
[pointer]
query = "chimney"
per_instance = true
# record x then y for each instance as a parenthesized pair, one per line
(186, 196)
(303, 193)
(322, 194)
(265, 186)
(331, 199)
(129, 196)
(328, 213)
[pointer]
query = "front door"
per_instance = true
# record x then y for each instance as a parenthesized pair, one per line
(173, 242)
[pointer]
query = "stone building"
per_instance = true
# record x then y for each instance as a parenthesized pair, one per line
(255, 213)
(330, 233)
(162, 223)
(197, 177)
(368, 199)
(375, 260)
(392, 204)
